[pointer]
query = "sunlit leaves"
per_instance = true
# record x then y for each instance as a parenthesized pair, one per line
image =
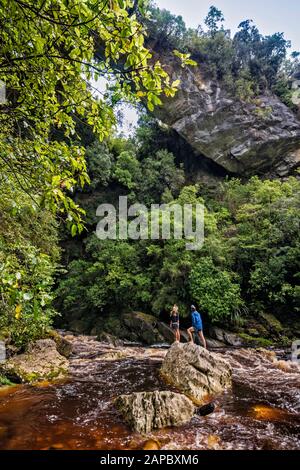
(185, 58)
(49, 51)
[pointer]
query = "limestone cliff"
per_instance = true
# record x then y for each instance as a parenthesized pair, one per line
(261, 137)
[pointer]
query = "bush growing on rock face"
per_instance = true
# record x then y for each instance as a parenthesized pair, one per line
(247, 63)
(165, 28)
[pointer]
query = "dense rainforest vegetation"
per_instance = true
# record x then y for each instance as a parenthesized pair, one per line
(249, 262)
(61, 157)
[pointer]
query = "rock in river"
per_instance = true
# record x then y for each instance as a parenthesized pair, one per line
(63, 346)
(41, 361)
(146, 411)
(195, 371)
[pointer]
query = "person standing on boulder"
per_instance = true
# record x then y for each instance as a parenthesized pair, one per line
(196, 326)
(174, 323)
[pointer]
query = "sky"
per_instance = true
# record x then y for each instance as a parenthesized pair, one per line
(270, 16)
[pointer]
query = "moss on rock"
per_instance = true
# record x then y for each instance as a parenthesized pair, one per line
(257, 341)
(271, 322)
(40, 362)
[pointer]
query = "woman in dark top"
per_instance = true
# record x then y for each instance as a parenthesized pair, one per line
(174, 323)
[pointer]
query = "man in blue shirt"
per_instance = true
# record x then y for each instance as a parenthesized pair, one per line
(196, 327)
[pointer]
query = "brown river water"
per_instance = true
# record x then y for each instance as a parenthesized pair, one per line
(262, 411)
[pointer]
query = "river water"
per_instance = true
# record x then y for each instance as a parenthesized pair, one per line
(262, 411)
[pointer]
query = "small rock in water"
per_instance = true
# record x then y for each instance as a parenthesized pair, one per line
(145, 411)
(206, 409)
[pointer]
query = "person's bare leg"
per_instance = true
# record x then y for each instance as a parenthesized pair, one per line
(201, 336)
(190, 333)
(175, 335)
(178, 335)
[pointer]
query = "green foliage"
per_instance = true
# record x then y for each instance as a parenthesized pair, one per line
(283, 87)
(250, 261)
(267, 241)
(50, 50)
(263, 56)
(28, 260)
(160, 176)
(146, 176)
(4, 381)
(165, 28)
(214, 19)
(110, 280)
(127, 170)
(99, 165)
(217, 291)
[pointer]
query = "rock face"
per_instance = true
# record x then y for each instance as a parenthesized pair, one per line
(195, 371)
(40, 362)
(144, 326)
(133, 327)
(165, 331)
(146, 411)
(137, 327)
(226, 337)
(244, 138)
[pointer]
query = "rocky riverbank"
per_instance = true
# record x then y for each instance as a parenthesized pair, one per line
(138, 327)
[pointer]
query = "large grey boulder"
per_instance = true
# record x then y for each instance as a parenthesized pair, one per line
(146, 411)
(244, 138)
(41, 361)
(166, 332)
(195, 371)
